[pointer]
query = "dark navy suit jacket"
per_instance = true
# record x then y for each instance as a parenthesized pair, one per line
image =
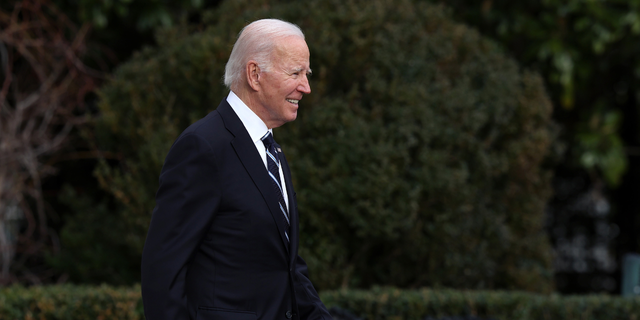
(216, 247)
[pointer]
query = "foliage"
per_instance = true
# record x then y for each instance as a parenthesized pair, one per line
(44, 85)
(392, 303)
(71, 302)
(145, 15)
(120, 27)
(417, 158)
(588, 54)
(106, 302)
(94, 248)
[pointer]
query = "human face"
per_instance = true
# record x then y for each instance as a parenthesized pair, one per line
(282, 87)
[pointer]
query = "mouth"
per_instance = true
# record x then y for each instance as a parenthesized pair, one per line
(293, 101)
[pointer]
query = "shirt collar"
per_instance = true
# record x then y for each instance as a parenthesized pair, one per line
(254, 125)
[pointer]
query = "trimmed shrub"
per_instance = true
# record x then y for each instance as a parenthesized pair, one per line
(391, 303)
(341, 314)
(106, 303)
(416, 159)
(71, 302)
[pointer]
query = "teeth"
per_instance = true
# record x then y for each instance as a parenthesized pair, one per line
(293, 101)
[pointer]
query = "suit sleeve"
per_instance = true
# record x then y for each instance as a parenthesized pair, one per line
(310, 306)
(186, 202)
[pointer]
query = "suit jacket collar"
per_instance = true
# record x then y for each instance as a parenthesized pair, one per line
(246, 151)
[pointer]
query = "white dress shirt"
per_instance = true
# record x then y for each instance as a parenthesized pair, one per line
(257, 129)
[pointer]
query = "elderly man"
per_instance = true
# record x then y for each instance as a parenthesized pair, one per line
(223, 239)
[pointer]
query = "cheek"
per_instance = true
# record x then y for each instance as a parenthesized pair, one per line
(277, 91)
(291, 88)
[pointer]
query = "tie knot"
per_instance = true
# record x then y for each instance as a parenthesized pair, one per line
(267, 139)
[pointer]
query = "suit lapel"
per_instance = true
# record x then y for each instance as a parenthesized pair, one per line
(250, 158)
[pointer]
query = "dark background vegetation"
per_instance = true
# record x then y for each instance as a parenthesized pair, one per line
(413, 165)
(585, 53)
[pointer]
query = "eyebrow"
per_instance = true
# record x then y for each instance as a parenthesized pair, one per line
(309, 72)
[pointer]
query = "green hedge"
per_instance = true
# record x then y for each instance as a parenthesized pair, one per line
(70, 302)
(105, 303)
(417, 158)
(395, 304)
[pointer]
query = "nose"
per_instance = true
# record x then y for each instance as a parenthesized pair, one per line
(304, 86)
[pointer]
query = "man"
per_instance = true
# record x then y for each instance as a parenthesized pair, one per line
(223, 239)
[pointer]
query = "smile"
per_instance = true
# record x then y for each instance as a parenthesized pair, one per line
(293, 101)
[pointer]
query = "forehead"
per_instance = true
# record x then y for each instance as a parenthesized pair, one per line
(292, 52)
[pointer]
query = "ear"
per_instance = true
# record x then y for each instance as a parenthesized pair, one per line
(253, 75)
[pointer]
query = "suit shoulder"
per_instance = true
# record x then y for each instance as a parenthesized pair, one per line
(209, 122)
(210, 128)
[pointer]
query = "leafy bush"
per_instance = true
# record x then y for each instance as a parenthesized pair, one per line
(71, 302)
(94, 248)
(417, 159)
(390, 303)
(341, 314)
(106, 303)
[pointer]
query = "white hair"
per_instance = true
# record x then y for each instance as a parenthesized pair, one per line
(256, 42)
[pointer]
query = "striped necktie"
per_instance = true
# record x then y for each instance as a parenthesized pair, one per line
(273, 166)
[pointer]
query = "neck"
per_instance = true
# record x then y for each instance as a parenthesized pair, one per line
(250, 100)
